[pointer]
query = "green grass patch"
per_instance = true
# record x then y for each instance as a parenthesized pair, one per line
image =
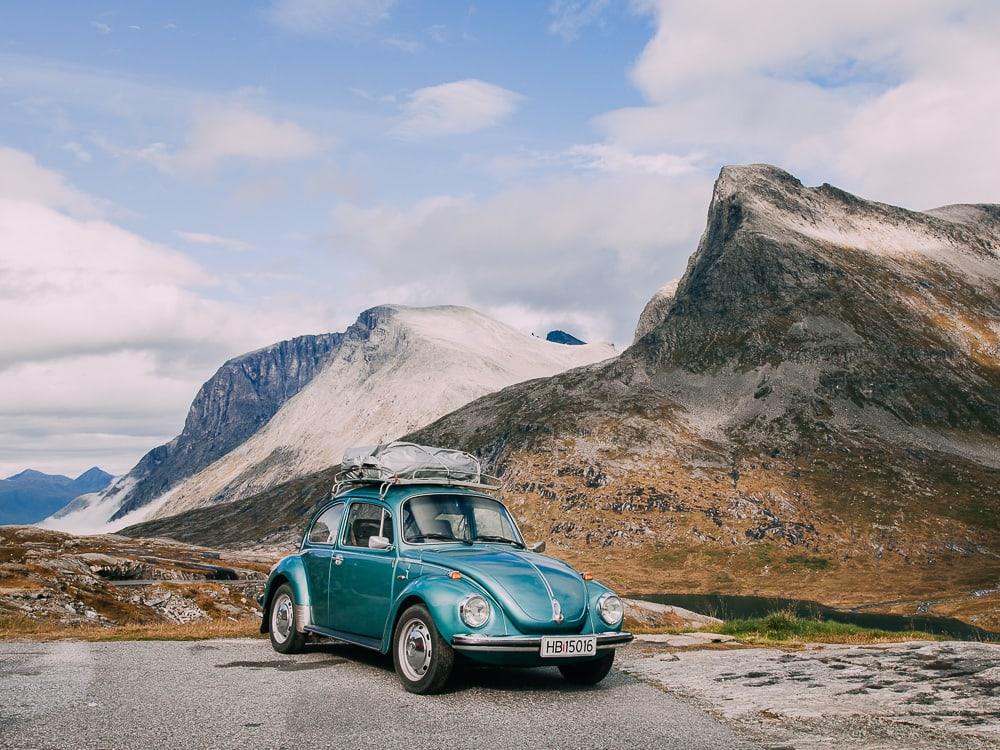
(809, 562)
(786, 627)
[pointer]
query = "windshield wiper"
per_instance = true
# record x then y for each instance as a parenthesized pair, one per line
(442, 537)
(495, 538)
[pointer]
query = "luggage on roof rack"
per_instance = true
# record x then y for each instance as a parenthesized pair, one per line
(409, 463)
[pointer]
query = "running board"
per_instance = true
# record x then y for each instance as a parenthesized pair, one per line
(357, 640)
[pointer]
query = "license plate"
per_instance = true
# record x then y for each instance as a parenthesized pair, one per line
(568, 647)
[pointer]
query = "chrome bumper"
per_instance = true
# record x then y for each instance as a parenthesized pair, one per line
(529, 643)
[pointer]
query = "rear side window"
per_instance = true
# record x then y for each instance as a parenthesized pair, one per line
(324, 528)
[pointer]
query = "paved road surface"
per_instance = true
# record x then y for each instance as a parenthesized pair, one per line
(240, 694)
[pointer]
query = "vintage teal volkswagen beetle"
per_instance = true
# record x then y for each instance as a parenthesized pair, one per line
(426, 563)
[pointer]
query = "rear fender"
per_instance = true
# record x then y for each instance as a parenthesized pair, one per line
(289, 570)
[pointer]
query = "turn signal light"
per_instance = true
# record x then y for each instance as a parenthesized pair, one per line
(454, 575)
(588, 576)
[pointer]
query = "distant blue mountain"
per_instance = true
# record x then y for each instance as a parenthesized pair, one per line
(30, 496)
(561, 337)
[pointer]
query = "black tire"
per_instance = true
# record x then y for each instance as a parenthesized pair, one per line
(283, 622)
(420, 671)
(588, 672)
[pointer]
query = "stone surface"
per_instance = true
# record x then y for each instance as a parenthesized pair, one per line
(653, 614)
(918, 695)
(684, 640)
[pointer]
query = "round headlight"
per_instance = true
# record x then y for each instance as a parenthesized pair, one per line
(611, 609)
(474, 610)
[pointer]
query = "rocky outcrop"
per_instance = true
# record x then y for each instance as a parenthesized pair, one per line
(656, 309)
(230, 407)
(51, 580)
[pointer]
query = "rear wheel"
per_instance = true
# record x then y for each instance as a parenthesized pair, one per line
(588, 672)
(285, 637)
(422, 658)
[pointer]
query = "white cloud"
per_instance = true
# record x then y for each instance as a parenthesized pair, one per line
(23, 178)
(584, 254)
(403, 44)
(212, 240)
(106, 336)
(570, 17)
(894, 99)
(319, 16)
(457, 107)
(606, 157)
(78, 151)
(70, 414)
(220, 134)
(100, 28)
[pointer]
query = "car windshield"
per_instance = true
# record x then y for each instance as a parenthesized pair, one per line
(458, 518)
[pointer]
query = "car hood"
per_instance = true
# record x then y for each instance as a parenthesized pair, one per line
(524, 584)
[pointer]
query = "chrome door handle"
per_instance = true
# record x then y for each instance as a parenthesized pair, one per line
(338, 559)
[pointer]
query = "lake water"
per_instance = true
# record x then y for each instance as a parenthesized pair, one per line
(734, 607)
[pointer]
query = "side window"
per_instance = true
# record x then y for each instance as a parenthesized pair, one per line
(364, 521)
(324, 528)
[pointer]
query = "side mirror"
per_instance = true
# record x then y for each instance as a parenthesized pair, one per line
(537, 547)
(379, 542)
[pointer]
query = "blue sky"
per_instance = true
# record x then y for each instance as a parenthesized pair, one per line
(182, 182)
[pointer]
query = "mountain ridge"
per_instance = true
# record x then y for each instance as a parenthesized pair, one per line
(30, 495)
(391, 371)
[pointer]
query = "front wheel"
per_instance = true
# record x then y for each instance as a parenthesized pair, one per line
(422, 658)
(285, 637)
(588, 672)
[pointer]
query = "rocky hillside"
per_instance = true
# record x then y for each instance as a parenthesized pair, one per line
(51, 581)
(30, 495)
(817, 412)
(292, 409)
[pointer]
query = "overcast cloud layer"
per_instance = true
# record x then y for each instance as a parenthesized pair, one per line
(175, 191)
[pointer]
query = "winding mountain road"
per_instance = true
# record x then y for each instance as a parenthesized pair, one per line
(240, 694)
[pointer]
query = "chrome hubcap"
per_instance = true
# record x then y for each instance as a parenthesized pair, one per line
(281, 618)
(415, 650)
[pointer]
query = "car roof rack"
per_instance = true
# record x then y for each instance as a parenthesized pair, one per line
(400, 463)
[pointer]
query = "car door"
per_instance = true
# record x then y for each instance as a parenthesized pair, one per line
(361, 583)
(318, 549)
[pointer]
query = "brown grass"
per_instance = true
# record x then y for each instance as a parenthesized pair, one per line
(19, 627)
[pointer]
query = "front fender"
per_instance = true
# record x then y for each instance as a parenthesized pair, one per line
(595, 591)
(442, 595)
(289, 570)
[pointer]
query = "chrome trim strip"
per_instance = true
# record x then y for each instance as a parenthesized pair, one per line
(529, 643)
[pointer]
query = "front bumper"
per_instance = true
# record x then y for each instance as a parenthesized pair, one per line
(527, 644)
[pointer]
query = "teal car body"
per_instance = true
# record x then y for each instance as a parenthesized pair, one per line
(357, 593)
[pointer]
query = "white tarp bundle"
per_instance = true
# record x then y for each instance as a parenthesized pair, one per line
(410, 461)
